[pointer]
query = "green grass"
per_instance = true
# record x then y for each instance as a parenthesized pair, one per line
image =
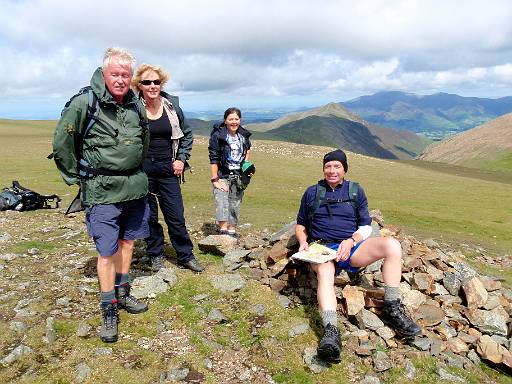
(449, 204)
(502, 164)
(432, 200)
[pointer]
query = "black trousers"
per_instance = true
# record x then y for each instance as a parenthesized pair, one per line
(165, 191)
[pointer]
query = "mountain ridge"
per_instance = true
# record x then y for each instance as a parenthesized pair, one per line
(435, 116)
(334, 124)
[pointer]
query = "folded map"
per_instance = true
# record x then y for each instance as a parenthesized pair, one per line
(317, 253)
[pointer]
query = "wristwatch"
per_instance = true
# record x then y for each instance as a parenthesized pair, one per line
(214, 179)
(354, 240)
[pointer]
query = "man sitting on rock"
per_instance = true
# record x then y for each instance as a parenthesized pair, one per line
(336, 215)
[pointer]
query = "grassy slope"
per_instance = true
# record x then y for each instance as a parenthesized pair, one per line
(438, 204)
(283, 172)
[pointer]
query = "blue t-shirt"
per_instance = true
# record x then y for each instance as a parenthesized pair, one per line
(338, 224)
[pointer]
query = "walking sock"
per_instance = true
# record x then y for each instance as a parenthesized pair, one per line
(391, 293)
(108, 297)
(329, 317)
(122, 278)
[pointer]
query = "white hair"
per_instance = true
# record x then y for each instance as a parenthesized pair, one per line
(121, 55)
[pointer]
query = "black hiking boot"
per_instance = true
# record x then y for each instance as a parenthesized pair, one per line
(156, 263)
(395, 316)
(192, 264)
(108, 333)
(330, 345)
(127, 301)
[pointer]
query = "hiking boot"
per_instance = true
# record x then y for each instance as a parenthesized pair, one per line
(395, 316)
(330, 345)
(156, 263)
(108, 333)
(192, 264)
(127, 301)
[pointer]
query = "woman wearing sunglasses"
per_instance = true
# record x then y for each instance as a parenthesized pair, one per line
(169, 149)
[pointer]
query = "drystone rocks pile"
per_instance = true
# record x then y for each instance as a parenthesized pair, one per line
(465, 317)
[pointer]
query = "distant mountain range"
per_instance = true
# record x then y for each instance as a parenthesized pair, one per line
(333, 125)
(434, 116)
(488, 146)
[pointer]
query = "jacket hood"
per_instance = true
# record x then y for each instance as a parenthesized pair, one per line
(101, 91)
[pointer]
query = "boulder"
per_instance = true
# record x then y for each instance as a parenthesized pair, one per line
(227, 282)
(488, 349)
(423, 282)
(278, 267)
(367, 319)
(456, 345)
(354, 299)
(286, 234)
(413, 299)
(428, 315)
(475, 292)
(217, 244)
(279, 251)
(452, 283)
(148, 286)
(234, 259)
(490, 322)
(382, 362)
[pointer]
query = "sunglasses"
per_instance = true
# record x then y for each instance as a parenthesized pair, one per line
(148, 82)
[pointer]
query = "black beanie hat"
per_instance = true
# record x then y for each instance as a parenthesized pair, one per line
(337, 155)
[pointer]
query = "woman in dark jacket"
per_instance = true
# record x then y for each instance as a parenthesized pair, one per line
(228, 148)
(169, 149)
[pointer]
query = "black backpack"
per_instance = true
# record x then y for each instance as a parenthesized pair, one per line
(19, 198)
(353, 189)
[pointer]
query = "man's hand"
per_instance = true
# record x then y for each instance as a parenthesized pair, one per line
(344, 249)
(178, 166)
(304, 246)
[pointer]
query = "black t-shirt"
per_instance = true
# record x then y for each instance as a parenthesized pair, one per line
(160, 137)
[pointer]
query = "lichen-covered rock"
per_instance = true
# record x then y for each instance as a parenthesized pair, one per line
(490, 322)
(228, 282)
(148, 287)
(369, 320)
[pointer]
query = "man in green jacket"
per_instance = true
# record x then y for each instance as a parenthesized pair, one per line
(101, 145)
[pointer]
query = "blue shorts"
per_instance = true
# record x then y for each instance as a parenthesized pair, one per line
(107, 223)
(340, 265)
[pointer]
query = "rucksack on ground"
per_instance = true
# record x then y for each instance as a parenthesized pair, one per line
(18, 198)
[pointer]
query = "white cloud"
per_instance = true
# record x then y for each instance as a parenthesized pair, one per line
(270, 51)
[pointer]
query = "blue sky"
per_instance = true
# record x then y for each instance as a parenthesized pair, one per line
(257, 54)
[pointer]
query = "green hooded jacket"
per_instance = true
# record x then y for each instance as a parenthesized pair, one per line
(117, 142)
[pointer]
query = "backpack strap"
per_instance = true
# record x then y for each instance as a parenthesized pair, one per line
(92, 111)
(319, 196)
(353, 191)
